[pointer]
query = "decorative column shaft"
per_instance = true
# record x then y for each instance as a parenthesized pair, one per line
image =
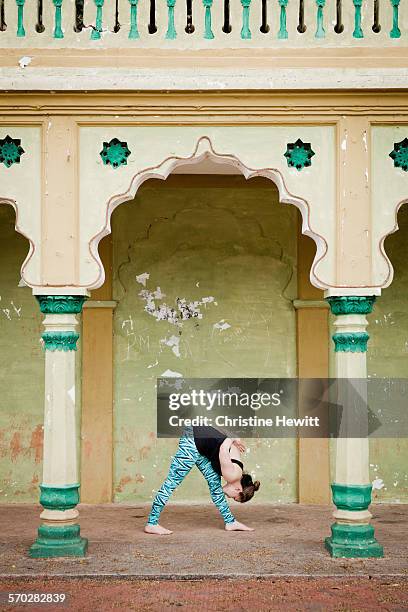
(358, 32)
(20, 18)
(245, 30)
(58, 33)
(59, 534)
(352, 534)
(133, 32)
(283, 33)
(208, 33)
(171, 33)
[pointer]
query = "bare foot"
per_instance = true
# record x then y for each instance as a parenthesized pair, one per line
(157, 530)
(236, 526)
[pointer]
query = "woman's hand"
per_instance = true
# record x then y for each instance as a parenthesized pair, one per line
(239, 444)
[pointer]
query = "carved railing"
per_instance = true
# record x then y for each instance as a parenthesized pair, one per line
(199, 23)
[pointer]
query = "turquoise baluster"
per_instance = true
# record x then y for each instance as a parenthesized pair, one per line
(96, 31)
(358, 32)
(20, 18)
(395, 32)
(58, 33)
(320, 31)
(208, 33)
(133, 32)
(171, 29)
(245, 31)
(283, 33)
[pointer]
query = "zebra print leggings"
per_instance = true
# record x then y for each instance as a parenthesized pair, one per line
(185, 458)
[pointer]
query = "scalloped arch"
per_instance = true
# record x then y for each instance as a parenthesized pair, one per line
(204, 150)
(381, 245)
(18, 229)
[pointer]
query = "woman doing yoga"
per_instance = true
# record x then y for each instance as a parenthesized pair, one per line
(215, 455)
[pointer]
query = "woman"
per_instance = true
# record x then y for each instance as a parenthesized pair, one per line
(215, 455)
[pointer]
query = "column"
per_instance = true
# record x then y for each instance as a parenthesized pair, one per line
(312, 323)
(97, 391)
(59, 533)
(352, 534)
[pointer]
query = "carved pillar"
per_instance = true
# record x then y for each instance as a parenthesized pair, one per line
(59, 533)
(352, 534)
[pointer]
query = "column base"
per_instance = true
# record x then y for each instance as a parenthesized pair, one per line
(353, 542)
(58, 541)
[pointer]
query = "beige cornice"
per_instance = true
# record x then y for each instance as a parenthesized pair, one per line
(199, 107)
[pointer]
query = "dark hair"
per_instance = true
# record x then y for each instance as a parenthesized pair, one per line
(248, 488)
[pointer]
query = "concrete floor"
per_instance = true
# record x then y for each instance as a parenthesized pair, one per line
(287, 541)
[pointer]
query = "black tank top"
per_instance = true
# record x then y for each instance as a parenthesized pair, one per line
(208, 441)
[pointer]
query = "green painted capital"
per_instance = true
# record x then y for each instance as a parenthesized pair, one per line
(61, 304)
(60, 340)
(345, 305)
(350, 342)
(59, 498)
(351, 497)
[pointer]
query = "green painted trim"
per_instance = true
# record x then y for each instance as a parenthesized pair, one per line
(58, 33)
(350, 342)
(345, 305)
(353, 541)
(208, 33)
(133, 32)
(171, 33)
(395, 32)
(96, 31)
(59, 498)
(358, 32)
(115, 153)
(351, 497)
(58, 541)
(283, 32)
(60, 340)
(10, 151)
(245, 30)
(320, 31)
(20, 18)
(299, 154)
(61, 304)
(399, 154)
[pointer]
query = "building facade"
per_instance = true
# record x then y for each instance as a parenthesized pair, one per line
(248, 157)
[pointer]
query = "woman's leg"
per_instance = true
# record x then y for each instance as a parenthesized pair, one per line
(216, 492)
(182, 462)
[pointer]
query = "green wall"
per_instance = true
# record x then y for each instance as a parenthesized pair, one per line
(388, 356)
(200, 237)
(21, 372)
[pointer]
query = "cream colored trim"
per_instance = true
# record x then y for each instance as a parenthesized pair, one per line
(358, 291)
(60, 290)
(204, 150)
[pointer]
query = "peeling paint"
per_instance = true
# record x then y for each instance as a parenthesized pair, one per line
(142, 278)
(222, 325)
(174, 343)
(171, 374)
(377, 484)
(25, 61)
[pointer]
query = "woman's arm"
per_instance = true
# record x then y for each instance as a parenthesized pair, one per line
(229, 470)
